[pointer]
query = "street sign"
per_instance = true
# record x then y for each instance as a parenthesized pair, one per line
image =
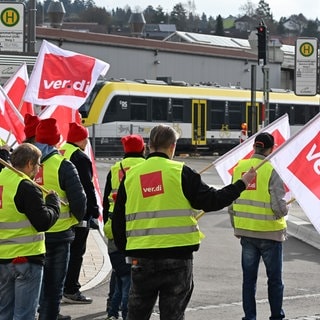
(12, 26)
(306, 66)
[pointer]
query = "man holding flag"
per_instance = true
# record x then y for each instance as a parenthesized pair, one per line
(257, 217)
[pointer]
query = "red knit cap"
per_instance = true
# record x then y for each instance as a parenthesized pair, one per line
(77, 132)
(30, 124)
(132, 143)
(47, 132)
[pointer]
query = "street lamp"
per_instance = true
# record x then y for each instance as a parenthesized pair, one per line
(56, 13)
(137, 22)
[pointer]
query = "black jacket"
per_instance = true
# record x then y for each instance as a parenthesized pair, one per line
(199, 194)
(85, 171)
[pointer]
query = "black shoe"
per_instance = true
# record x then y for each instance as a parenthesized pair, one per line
(61, 317)
(77, 298)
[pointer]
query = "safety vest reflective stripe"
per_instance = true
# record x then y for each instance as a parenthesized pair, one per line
(65, 215)
(254, 203)
(255, 216)
(15, 225)
(161, 231)
(23, 240)
(159, 214)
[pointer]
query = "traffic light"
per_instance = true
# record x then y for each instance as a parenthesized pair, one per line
(262, 44)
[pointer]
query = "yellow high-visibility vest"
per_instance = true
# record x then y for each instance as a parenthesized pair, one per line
(157, 213)
(118, 170)
(18, 237)
(252, 210)
(50, 180)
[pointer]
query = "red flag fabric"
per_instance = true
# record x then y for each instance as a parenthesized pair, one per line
(298, 163)
(13, 106)
(16, 87)
(99, 197)
(63, 77)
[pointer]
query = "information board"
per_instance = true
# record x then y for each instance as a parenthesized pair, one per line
(12, 26)
(306, 66)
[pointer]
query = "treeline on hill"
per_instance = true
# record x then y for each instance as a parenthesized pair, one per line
(185, 18)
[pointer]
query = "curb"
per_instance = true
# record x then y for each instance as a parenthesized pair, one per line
(106, 265)
(304, 231)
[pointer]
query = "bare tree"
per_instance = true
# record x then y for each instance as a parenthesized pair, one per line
(249, 8)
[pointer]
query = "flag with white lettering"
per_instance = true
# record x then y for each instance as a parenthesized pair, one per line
(63, 77)
(298, 163)
(280, 129)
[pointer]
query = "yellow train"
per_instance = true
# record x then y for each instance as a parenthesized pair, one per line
(208, 118)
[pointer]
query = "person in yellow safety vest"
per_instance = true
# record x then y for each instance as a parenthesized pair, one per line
(257, 217)
(24, 216)
(134, 149)
(154, 224)
(73, 150)
(61, 175)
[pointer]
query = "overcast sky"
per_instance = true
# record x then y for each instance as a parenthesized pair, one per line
(279, 8)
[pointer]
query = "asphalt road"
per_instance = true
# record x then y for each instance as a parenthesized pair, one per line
(217, 272)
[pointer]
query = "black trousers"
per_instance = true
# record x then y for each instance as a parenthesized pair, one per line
(77, 251)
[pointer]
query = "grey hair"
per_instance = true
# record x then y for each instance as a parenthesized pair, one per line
(162, 136)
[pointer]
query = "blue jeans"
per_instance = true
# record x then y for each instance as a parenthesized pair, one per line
(169, 279)
(55, 270)
(19, 290)
(120, 297)
(271, 253)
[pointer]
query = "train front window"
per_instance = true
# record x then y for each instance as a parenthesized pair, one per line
(159, 109)
(138, 108)
(85, 108)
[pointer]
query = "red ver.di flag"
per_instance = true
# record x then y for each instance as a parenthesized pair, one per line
(225, 164)
(63, 77)
(298, 164)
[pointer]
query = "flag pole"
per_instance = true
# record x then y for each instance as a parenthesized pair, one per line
(251, 138)
(21, 174)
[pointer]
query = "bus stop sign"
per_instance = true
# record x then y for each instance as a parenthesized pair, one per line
(306, 66)
(12, 26)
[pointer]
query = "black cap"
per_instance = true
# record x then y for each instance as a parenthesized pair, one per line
(264, 140)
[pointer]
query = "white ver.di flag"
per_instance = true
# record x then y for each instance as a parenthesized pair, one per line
(63, 77)
(280, 129)
(298, 163)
